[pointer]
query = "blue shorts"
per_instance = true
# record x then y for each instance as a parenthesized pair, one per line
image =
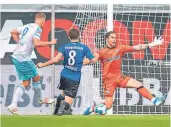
(25, 70)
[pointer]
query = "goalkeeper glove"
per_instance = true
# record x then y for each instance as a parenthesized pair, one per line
(156, 42)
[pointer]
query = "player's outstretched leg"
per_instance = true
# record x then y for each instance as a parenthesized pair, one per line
(132, 83)
(58, 101)
(89, 109)
(17, 95)
(155, 100)
(38, 90)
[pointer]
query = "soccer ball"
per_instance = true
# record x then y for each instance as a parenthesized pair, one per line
(100, 109)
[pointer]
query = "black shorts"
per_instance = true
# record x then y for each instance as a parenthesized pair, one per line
(70, 87)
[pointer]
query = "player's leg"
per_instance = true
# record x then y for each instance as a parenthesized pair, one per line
(132, 83)
(70, 91)
(38, 90)
(65, 105)
(17, 95)
(59, 98)
(108, 102)
(37, 87)
(21, 68)
(33, 72)
(109, 89)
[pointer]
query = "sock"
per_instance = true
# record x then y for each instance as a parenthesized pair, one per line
(38, 90)
(145, 93)
(67, 105)
(17, 95)
(59, 98)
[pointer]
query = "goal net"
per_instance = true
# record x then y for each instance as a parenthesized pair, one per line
(133, 24)
(91, 21)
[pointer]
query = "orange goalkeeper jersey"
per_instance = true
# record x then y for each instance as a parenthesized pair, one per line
(111, 59)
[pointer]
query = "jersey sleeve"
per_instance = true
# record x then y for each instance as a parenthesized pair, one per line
(127, 48)
(62, 50)
(88, 53)
(38, 33)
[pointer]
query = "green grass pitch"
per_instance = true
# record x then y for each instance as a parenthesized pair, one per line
(86, 121)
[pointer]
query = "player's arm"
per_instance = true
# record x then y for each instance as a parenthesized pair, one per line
(93, 60)
(36, 39)
(156, 42)
(56, 59)
(86, 61)
(37, 42)
(96, 57)
(16, 32)
(15, 35)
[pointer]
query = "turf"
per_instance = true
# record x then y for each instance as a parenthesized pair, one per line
(86, 121)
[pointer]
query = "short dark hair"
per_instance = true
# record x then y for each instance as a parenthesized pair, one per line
(40, 15)
(109, 33)
(74, 34)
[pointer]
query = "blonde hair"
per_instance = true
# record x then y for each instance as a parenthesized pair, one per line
(40, 15)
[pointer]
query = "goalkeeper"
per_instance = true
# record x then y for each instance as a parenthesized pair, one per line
(111, 59)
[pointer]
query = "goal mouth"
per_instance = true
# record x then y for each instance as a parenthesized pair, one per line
(133, 24)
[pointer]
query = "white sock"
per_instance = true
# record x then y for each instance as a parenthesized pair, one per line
(38, 90)
(17, 95)
(153, 99)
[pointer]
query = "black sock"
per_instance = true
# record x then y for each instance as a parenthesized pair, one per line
(59, 98)
(67, 106)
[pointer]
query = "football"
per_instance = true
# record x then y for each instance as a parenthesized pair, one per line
(100, 109)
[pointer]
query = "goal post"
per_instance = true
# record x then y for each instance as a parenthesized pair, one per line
(110, 28)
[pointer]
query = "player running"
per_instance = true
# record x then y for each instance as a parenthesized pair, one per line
(111, 59)
(73, 53)
(28, 37)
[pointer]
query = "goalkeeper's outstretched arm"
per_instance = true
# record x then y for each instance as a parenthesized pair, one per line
(156, 42)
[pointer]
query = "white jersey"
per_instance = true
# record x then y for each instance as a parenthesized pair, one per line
(25, 46)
